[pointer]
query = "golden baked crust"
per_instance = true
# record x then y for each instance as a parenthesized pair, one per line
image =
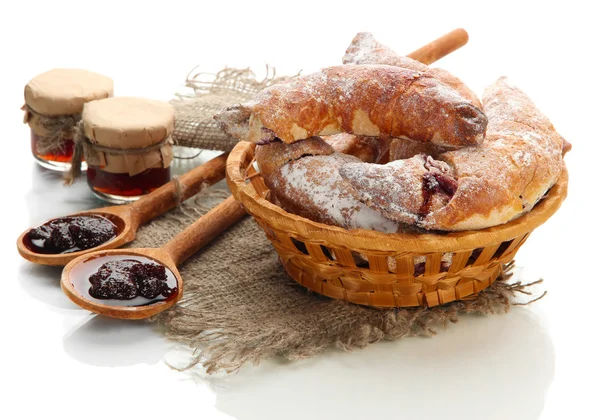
(370, 100)
(472, 187)
(506, 103)
(364, 49)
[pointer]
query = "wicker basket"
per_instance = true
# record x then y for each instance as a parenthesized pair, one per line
(384, 270)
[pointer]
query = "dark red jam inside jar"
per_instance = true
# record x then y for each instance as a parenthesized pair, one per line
(70, 234)
(124, 280)
(114, 186)
(62, 155)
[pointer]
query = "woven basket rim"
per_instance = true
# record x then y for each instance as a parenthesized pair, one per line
(378, 242)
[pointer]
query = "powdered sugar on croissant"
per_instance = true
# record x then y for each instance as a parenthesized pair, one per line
(369, 100)
(474, 187)
(364, 49)
(304, 179)
(403, 190)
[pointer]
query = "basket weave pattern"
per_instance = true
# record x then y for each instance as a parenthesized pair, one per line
(384, 270)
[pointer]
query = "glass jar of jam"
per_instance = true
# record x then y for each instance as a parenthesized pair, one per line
(127, 145)
(53, 104)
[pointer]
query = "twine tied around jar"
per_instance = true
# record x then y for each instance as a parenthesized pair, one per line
(85, 148)
(57, 129)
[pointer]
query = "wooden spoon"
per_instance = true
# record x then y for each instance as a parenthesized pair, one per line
(173, 253)
(128, 218)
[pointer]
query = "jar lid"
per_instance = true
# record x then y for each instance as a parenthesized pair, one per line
(65, 91)
(128, 123)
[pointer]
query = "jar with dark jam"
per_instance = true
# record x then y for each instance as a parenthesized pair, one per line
(127, 146)
(54, 101)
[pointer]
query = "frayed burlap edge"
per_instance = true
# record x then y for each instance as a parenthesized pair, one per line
(220, 335)
(194, 123)
(222, 345)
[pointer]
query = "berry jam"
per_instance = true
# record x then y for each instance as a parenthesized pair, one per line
(70, 234)
(123, 185)
(127, 279)
(63, 155)
(124, 280)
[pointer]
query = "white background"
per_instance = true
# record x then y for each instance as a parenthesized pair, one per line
(535, 362)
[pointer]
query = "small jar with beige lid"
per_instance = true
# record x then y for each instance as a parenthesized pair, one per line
(53, 104)
(126, 143)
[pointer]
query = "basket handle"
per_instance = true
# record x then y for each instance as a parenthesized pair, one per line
(239, 158)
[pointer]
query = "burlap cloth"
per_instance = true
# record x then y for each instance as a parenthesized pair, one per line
(240, 306)
(209, 94)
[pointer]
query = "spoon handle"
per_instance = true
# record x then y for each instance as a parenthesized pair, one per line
(441, 47)
(169, 195)
(203, 230)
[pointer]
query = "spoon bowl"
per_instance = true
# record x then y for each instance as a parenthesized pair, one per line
(121, 216)
(75, 276)
(76, 287)
(129, 217)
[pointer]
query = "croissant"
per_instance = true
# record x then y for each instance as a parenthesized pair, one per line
(471, 187)
(304, 179)
(369, 100)
(364, 49)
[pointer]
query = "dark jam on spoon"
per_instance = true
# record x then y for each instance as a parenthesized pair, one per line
(70, 234)
(127, 279)
(123, 280)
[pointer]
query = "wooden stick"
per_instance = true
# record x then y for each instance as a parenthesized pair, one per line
(441, 47)
(204, 230)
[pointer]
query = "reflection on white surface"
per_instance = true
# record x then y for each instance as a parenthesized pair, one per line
(48, 197)
(459, 374)
(102, 341)
(43, 283)
(496, 367)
